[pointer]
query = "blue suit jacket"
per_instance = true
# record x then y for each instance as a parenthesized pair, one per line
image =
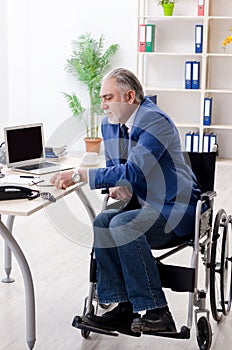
(155, 168)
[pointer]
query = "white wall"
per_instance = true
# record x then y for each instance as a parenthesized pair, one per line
(40, 34)
(3, 67)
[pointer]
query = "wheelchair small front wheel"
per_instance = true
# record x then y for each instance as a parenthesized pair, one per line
(204, 334)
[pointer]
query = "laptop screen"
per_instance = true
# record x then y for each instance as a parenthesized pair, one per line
(24, 144)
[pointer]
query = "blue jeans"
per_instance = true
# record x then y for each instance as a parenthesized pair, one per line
(126, 268)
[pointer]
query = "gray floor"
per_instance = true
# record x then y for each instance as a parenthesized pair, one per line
(59, 262)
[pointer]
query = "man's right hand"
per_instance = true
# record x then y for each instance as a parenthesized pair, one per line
(120, 193)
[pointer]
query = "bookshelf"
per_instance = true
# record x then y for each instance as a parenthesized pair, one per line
(162, 72)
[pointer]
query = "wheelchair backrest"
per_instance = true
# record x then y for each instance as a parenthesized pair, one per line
(203, 166)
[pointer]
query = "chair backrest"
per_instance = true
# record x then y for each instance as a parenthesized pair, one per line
(203, 166)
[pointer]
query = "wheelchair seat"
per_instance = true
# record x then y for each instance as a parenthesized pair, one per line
(180, 278)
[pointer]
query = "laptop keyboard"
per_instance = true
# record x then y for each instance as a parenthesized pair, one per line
(35, 166)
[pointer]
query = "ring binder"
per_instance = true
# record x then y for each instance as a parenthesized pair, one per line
(198, 38)
(207, 110)
(188, 142)
(201, 7)
(150, 36)
(206, 143)
(195, 142)
(213, 141)
(195, 75)
(188, 74)
(142, 37)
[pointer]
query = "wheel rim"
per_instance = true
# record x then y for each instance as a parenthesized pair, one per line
(226, 267)
(216, 270)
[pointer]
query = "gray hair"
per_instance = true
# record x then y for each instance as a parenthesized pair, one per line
(126, 80)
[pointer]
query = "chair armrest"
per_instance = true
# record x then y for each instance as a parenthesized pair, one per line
(209, 195)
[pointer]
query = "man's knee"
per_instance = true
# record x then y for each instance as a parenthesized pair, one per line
(104, 218)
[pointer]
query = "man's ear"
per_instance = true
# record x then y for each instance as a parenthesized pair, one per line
(130, 95)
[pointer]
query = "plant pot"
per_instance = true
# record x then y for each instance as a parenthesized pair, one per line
(168, 9)
(93, 145)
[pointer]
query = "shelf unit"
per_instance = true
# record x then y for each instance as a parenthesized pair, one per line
(162, 72)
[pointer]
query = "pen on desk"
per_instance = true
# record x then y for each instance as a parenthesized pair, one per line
(27, 177)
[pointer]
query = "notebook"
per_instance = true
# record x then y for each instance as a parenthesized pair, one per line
(25, 150)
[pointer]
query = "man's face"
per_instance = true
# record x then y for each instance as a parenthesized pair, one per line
(117, 106)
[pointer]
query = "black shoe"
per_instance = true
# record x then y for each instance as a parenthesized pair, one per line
(157, 320)
(119, 319)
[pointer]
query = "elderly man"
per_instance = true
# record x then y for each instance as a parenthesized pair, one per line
(143, 161)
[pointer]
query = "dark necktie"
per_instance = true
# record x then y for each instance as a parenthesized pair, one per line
(123, 143)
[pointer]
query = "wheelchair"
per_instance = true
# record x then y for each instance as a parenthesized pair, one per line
(210, 247)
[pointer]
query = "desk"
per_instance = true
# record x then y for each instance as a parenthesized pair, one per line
(24, 207)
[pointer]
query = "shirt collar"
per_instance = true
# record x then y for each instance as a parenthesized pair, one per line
(130, 121)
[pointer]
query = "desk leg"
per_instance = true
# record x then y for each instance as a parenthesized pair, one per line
(7, 253)
(84, 199)
(28, 284)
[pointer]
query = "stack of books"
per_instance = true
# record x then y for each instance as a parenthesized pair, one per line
(55, 152)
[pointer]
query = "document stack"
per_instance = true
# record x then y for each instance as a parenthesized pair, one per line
(55, 152)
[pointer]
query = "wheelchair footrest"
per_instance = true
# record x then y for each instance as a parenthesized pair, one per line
(78, 323)
(183, 334)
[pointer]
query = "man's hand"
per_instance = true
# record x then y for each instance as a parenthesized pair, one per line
(64, 179)
(120, 193)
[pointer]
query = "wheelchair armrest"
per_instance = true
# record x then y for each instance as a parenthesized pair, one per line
(105, 191)
(209, 195)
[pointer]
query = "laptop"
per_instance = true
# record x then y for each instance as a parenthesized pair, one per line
(25, 150)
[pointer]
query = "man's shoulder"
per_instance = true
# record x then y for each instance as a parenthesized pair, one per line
(151, 113)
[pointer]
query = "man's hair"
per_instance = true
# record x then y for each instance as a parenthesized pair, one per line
(126, 80)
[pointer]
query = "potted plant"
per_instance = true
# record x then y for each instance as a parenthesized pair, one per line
(88, 63)
(167, 5)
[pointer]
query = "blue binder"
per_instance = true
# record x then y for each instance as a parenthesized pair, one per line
(213, 141)
(195, 142)
(188, 74)
(198, 38)
(206, 142)
(188, 142)
(195, 75)
(207, 110)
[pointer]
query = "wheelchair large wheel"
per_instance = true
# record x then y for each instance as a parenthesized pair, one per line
(204, 336)
(226, 267)
(220, 271)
